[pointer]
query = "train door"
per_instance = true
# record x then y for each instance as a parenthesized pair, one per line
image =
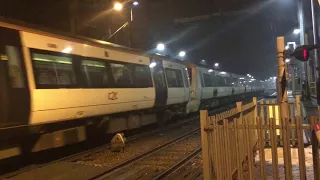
(160, 83)
(14, 92)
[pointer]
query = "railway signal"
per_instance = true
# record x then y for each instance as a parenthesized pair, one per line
(302, 53)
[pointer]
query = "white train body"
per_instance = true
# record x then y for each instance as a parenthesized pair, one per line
(58, 87)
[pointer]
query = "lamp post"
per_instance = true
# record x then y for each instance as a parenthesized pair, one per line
(119, 7)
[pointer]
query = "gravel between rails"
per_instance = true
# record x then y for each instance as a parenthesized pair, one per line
(189, 171)
(152, 165)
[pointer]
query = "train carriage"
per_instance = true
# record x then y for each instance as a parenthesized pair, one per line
(54, 88)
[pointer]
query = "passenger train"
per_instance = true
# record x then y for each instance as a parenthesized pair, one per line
(55, 88)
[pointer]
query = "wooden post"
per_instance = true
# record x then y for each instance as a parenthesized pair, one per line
(261, 148)
(274, 151)
(227, 148)
(315, 150)
(249, 148)
(286, 149)
(302, 163)
(238, 148)
(255, 115)
(205, 148)
(216, 164)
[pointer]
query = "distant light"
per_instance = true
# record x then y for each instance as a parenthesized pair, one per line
(274, 78)
(252, 79)
(186, 69)
(296, 31)
(136, 3)
(182, 53)
(261, 81)
(287, 60)
(232, 83)
(210, 70)
(161, 47)
(216, 64)
(244, 81)
(287, 47)
(248, 75)
(223, 72)
(153, 64)
(203, 60)
(117, 6)
(67, 50)
(241, 78)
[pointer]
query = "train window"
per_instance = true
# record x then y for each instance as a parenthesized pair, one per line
(122, 74)
(53, 71)
(174, 78)
(219, 80)
(207, 80)
(15, 70)
(95, 73)
(142, 76)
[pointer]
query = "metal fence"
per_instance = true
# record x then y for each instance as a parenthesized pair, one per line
(230, 140)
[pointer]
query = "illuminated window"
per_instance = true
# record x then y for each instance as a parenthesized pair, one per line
(122, 75)
(53, 71)
(94, 73)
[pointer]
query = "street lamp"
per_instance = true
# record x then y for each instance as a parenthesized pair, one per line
(296, 31)
(182, 53)
(216, 65)
(117, 6)
(161, 47)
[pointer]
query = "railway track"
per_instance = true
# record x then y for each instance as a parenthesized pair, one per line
(156, 162)
(153, 155)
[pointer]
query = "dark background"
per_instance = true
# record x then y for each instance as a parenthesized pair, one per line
(239, 34)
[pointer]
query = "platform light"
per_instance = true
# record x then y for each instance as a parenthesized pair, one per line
(216, 64)
(182, 53)
(161, 47)
(135, 3)
(152, 65)
(117, 6)
(67, 50)
(210, 70)
(296, 31)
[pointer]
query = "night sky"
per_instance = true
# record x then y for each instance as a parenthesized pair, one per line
(242, 42)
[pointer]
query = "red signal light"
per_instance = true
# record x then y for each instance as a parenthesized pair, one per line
(305, 55)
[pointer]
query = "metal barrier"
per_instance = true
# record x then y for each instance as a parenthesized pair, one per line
(230, 139)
